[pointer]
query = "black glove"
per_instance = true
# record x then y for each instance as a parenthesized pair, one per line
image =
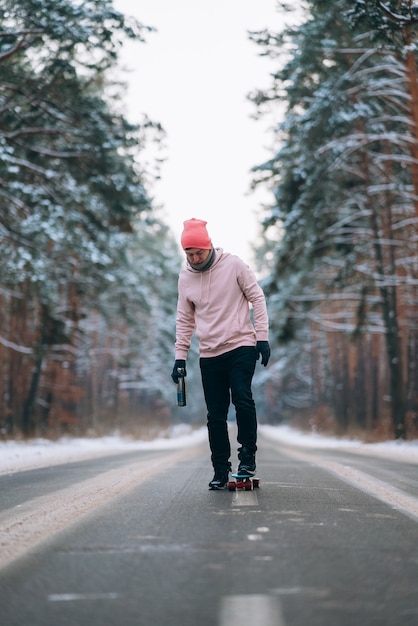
(263, 348)
(179, 363)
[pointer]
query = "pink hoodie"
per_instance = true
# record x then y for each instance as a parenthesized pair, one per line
(215, 302)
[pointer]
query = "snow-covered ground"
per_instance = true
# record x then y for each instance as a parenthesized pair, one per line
(16, 456)
(402, 450)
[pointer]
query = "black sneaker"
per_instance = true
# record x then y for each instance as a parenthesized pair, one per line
(220, 479)
(246, 465)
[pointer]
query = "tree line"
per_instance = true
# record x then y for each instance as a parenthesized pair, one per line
(87, 289)
(88, 271)
(341, 233)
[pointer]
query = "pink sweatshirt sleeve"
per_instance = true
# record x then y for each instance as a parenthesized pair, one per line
(185, 324)
(255, 295)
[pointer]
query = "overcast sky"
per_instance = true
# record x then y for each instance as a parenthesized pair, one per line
(193, 76)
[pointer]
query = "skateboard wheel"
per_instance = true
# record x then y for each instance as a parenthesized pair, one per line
(256, 483)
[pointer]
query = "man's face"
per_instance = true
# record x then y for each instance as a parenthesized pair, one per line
(197, 256)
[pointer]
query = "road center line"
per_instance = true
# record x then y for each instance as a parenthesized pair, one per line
(260, 609)
(244, 498)
(74, 597)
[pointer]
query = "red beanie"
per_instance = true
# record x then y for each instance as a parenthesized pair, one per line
(195, 235)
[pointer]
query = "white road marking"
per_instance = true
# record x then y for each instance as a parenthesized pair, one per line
(244, 498)
(71, 597)
(42, 517)
(260, 609)
(379, 489)
(255, 537)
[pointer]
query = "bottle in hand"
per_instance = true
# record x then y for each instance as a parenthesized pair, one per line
(181, 388)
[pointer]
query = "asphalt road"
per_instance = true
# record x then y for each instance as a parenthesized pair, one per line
(329, 539)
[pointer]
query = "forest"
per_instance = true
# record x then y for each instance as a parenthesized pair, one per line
(88, 301)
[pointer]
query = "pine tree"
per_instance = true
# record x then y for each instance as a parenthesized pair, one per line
(73, 206)
(345, 139)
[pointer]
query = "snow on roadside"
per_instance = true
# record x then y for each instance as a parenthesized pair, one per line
(400, 450)
(16, 456)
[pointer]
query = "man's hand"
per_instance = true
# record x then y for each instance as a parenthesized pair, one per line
(263, 348)
(179, 364)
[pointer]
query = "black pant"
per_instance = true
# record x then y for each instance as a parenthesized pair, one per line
(228, 377)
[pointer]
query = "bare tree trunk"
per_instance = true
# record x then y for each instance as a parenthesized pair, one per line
(28, 425)
(412, 85)
(390, 318)
(388, 296)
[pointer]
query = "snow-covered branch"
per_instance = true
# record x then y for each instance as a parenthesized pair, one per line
(14, 346)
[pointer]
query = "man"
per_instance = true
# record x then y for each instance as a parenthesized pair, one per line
(214, 293)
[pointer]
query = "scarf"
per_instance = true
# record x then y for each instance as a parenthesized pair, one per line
(206, 265)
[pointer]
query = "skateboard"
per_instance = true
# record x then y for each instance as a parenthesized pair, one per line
(243, 481)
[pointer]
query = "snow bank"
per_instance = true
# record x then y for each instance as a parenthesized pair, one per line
(16, 456)
(402, 450)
